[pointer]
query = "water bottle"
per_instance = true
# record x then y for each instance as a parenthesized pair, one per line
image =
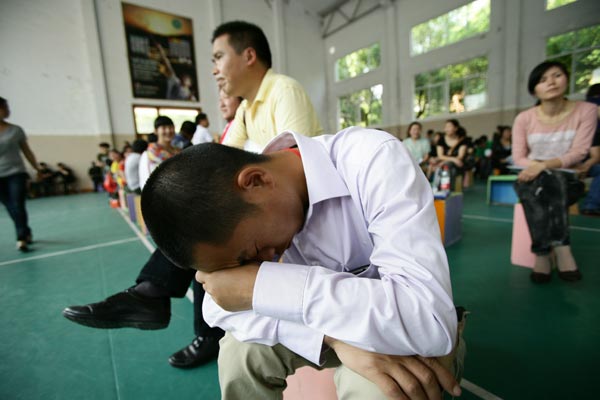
(445, 179)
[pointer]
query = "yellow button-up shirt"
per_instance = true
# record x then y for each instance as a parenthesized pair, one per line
(280, 104)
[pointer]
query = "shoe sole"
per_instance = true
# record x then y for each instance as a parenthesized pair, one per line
(94, 323)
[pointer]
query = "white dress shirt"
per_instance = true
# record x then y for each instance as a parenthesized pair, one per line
(369, 207)
(132, 171)
(202, 135)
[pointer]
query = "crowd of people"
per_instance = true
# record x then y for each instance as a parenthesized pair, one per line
(277, 242)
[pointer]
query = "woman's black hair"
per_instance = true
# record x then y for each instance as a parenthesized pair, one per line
(411, 125)
(536, 74)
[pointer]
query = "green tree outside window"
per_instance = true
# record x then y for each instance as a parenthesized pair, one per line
(552, 4)
(454, 26)
(362, 108)
(452, 89)
(359, 62)
(579, 51)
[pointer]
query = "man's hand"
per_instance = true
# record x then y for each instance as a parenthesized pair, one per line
(231, 288)
(531, 172)
(398, 377)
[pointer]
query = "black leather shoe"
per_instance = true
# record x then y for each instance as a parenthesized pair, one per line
(200, 351)
(126, 309)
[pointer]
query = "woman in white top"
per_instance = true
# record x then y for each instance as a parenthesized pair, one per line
(417, 146)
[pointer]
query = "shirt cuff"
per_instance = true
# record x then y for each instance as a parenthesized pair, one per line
(302, 340)
(279, 291)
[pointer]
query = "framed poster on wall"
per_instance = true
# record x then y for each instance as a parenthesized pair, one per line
(160, 48)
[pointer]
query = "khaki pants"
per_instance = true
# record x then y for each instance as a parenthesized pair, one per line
(250, 371)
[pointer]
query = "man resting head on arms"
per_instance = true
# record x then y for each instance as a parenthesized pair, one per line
(363, 284)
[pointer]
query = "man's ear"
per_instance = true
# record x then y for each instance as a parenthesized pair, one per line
(252, 179)
(250, 56)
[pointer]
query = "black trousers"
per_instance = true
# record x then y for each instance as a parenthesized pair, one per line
(162, 272)
(546, 200)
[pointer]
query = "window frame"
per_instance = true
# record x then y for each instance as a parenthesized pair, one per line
(446, 84)
(158, 108)
(336, 78)
(347, 94)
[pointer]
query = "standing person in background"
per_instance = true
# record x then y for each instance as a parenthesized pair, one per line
(417, 146)
(132, 165)
(556, 133)
(157, 152)
(103, 156)
(13, 176)
(202, 134)
(96, 174)
(183, 139)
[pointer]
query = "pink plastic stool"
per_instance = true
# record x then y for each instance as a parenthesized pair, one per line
(520, 253)
(310, 384)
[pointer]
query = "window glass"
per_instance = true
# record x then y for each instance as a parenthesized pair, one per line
(454, 88)
(551, 4)
(579, 51)
(144, 117)
(454, 26)
(357, 63)
(362, 108)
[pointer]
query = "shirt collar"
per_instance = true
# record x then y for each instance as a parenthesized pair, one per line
(263, 89)
(323, 181)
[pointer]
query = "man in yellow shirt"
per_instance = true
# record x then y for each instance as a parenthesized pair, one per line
(272, 103)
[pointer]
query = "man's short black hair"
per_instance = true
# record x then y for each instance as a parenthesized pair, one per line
(188, 128)
(242, 35)
(201, 117)
(191, 198)
(139, 146)
(536, 74)
(162, 120)
(104, 145)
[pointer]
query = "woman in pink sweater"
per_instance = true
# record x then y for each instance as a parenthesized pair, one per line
(556, 133)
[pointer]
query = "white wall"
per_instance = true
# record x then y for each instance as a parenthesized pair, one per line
(514, 44)
(47, 68)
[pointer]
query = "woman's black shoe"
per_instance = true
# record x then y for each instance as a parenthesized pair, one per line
(570, 276)
(538, 277)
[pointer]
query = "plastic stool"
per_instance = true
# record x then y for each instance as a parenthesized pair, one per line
(310, 384)
(501, 190)
(520, 252)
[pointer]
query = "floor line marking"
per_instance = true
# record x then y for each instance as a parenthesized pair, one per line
(139, 234)
(483, 218)
(478, 391)
(189, 294)
(75, 250)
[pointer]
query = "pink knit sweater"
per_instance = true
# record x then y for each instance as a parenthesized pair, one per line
(568, 140)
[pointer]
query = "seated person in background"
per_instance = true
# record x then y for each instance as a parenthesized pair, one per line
(417, 146)
(132, 165)
(555, 133)
(364, 279)
(183, 139)
(591, 166)
(502, 151)
(65, 176)
(451, 151)
(45, 180)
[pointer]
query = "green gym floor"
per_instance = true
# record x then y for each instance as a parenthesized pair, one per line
(524, 341)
